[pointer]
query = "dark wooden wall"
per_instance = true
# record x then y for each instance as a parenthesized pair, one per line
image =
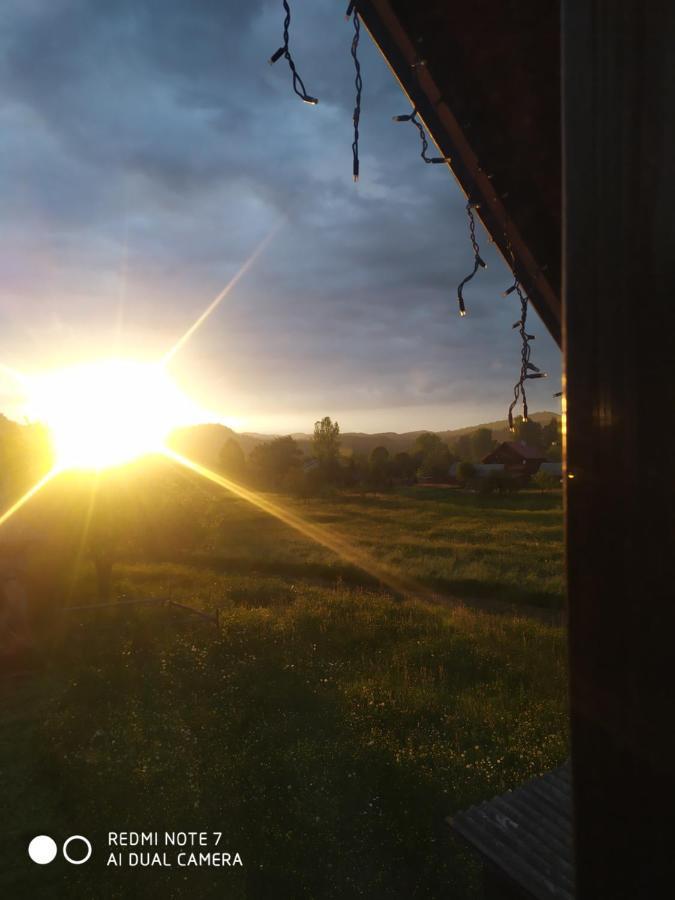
(619, 343)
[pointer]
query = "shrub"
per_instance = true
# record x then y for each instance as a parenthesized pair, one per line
(466, 472)
(546, 481)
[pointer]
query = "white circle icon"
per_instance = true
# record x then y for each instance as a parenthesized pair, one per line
(42, 849)
(77, 837)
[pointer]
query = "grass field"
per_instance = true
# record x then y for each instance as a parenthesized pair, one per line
(507, 548)
(327, 727)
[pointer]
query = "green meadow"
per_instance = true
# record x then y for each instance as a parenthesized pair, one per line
(326, 725)
(453, 542)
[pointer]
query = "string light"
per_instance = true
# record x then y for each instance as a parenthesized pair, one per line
(412, 117)
(298, 84)
(478, 261)
(528, 370)
(358, 83)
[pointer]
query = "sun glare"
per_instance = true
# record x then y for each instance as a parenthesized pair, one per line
(108, 412)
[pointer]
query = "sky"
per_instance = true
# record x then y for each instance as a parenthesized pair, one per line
(148, 149)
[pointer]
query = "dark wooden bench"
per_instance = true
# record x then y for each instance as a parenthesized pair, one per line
(525, 839)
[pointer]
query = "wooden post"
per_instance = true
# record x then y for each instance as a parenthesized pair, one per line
(619, 343)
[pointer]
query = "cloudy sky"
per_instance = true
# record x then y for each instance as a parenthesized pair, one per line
(148, 149)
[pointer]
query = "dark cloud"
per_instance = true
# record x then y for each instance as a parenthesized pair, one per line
(148, 148)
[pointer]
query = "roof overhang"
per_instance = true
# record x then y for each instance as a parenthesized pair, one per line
(485, 79)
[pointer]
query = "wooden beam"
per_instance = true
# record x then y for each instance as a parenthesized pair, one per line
(619, 345)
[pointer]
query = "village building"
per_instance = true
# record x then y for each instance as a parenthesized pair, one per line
(516, 457)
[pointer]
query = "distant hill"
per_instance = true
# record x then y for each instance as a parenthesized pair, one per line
(359, 442)
(203, 442)
(500, 429)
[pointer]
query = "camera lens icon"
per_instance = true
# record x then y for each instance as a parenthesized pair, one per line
(87, 854)
(42, 849)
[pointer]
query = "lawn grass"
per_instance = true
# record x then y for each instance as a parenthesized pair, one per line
(327, 734)
(503, 548)
(327, 727)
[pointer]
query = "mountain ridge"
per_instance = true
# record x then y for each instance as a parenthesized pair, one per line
(203, 442)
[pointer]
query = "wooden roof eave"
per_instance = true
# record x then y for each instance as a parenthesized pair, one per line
(418, 83)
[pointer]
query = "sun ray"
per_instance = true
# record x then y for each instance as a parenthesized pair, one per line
(215, 303)
(83, 536)
(27, 496)
(338, 544)
(14, 374)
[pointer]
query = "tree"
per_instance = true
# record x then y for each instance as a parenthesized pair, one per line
(436, 464)
(378, 468)
(326, 440)
(554, 453)
(426, 442)
(466, 472)
(462, 447)
(379, 457)
(529, 433)
(481, 444)
(232, 460)
(403, 466)
(550, 434)
(326, 449)
(26, 455)
(356, 470)
(272, 461)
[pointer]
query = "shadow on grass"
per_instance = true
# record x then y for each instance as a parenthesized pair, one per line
(327, 741)
(526, 501)
(481, 588)
(250, 734)
(284, 568)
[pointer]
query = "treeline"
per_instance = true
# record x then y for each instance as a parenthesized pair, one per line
(280, 464)
(475, 446)
(25, 456)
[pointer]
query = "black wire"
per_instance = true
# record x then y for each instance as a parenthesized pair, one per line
(527, 368)
(412, 117)
(358, 83)
(298, 84)
(478, 262)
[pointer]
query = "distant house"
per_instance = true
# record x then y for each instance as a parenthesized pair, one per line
(516, 457)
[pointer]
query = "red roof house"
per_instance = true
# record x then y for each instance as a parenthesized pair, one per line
(516, 457)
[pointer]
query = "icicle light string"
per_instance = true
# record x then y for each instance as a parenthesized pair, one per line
(528, 370)
(412, 117)
(298, 84)
(478, 261)
(358, 83)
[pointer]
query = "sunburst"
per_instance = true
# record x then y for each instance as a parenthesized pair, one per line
(112, 411)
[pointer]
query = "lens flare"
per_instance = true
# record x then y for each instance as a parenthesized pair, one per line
(329, 539)
(27, 496)
(108, 412)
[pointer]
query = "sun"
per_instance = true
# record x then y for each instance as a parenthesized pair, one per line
(108, 412)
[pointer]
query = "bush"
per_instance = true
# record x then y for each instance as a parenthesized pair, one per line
(546, 481)
(466, 472)
(498, 484)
